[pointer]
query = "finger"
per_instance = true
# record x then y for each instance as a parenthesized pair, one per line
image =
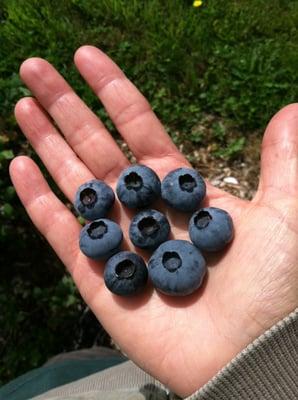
(49, 215)
(82, 129)
(65, 167)
(279, 156)
(56, 223)
(127, 107)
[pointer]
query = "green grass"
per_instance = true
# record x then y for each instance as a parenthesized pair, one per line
(235, 59)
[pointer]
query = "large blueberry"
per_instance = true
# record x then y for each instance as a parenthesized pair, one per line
(100, 239)
(183, 189)
(138, 186)
(177, 268)
(94, 199)
(125, 273)
(148, 229)
(211, 229)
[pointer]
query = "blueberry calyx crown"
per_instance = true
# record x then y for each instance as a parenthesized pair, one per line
(187, 183)
(202, 219)
(171, 261)
(148, 226)
(133, 181)
(97, 230)
(88, 197)
(125, 269)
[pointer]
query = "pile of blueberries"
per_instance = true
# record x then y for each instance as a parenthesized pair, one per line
(176, 267)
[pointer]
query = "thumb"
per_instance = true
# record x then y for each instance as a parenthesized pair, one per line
(279, 157)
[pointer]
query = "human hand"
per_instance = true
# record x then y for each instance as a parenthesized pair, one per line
(182, 342)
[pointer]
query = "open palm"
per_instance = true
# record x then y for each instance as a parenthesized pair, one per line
(182, 342)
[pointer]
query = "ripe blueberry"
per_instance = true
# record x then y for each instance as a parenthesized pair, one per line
(148, 229)
(100, 239)
(125, 273)
(138, 186)
(183, 189)
(211, 229)
(177, 268)
(94, 199)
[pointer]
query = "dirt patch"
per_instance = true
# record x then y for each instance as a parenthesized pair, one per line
(239, 176)
(238, 173)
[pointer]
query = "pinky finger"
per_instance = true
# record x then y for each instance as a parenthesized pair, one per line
(51, 217)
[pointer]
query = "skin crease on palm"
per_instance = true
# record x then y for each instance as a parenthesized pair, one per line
(183, 342)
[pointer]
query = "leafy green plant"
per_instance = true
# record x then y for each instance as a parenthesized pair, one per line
(219, 131)
(232, 149)
(56, 309)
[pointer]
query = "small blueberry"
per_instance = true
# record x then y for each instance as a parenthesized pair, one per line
(148, 229)
(125, 273)
(138, 186)
(94, 199)
(183, 189)
(211, 229)
(100, 239)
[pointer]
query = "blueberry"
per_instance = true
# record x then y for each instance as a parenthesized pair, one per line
(94, 199)
(211, 229)
(125, 273)
(183, 189)
(177, 268)
(148, 229)
(100, 239)
(138, 186)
